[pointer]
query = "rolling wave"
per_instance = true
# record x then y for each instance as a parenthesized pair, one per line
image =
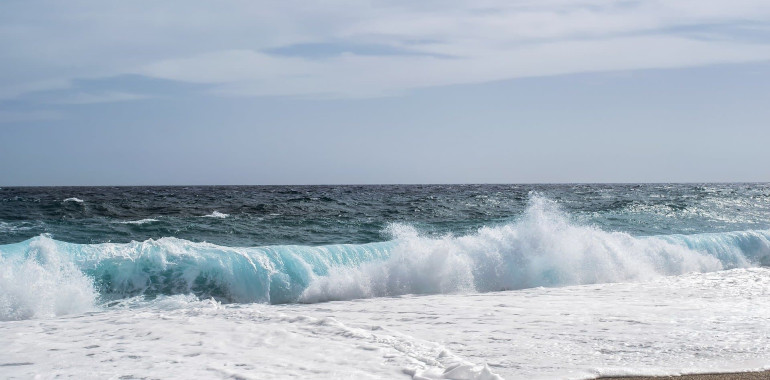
(44, 277)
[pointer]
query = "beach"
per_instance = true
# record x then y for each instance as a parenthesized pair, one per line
(713, 322)
(712, 376)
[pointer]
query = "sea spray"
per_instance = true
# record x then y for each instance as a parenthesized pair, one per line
(42, 283)
(543, 248)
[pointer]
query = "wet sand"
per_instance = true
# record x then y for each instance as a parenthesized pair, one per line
(715, 376)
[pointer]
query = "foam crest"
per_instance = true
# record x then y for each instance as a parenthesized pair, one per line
(139, 222)
(543, 248)
(216, 214)
(41, 282)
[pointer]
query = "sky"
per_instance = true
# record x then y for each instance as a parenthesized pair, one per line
(366, 92)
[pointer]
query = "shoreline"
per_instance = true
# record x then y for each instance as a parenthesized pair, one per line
(756, 375)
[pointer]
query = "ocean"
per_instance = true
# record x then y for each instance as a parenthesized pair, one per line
(571, 281)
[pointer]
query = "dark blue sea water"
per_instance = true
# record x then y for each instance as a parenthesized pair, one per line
(248, 216)
(284, 244)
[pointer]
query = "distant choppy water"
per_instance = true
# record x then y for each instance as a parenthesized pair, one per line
(247, 216)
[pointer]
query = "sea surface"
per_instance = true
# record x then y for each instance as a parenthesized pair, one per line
(568, 281)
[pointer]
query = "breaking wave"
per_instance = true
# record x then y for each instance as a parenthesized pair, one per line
(544, 247)
(42, 283)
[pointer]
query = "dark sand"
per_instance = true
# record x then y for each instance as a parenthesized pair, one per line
(715, 376)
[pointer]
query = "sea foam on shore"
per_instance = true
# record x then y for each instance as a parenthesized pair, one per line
(707, 322)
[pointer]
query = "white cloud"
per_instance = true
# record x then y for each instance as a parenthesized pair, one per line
(251, 73)
(223, 43)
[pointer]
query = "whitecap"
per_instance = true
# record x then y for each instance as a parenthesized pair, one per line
(216, 214)
(139, 222)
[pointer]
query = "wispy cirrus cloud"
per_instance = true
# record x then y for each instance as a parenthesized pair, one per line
(354, 49)
(99, 97)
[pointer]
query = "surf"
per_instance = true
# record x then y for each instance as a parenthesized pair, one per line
(543, 247)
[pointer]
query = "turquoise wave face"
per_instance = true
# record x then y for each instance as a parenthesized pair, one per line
(275, 274)
(544, 247)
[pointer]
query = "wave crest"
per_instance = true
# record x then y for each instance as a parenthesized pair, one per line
(544, 247)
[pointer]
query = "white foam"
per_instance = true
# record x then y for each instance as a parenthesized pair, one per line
(42, 283)
(543, 248)
(73, 199)
(216, 214)
(711, 322)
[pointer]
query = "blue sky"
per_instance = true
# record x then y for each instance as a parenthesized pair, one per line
(252, 92)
